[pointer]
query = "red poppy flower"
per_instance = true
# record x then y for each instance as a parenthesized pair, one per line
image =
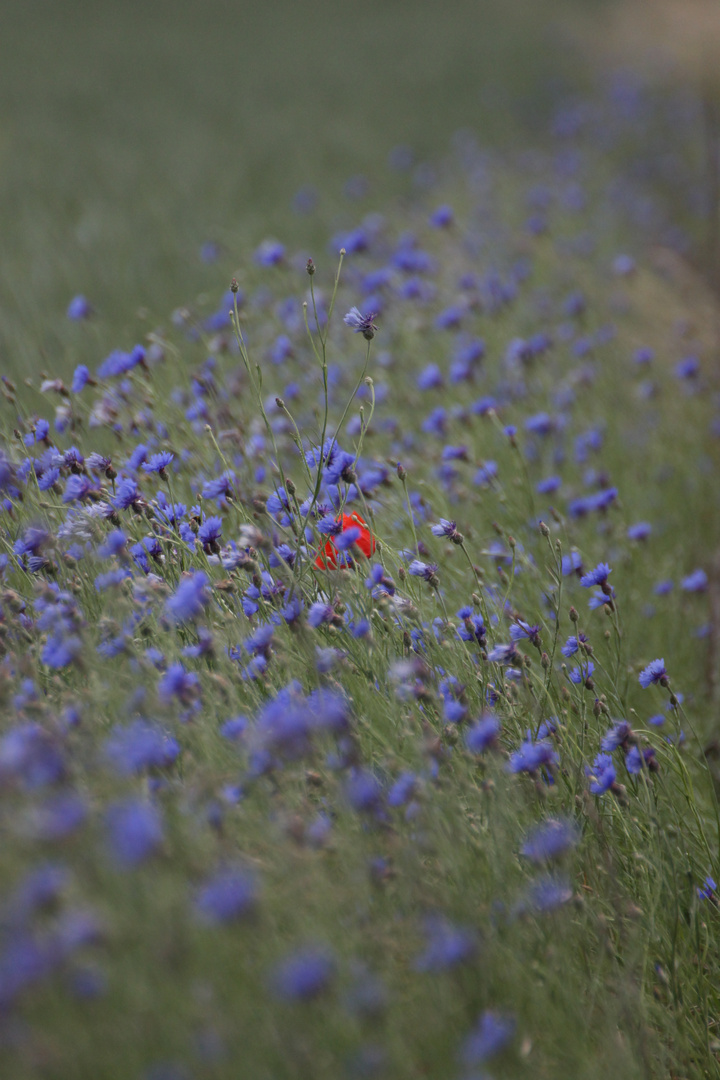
(327, 556)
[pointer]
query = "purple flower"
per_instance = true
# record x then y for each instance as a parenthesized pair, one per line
(640, 531)
(447, 529)
(79, 308)
(320, 613)
(81, 378)
(139, 746)
(303, 975)
(209, 533)
(695, 582)
(134, 831)
(158, 462)
(532, 756)
(361, 324)
(231, 893)
(29, 753)
(618, 735)
(363, 791)
(572, 645)
(571, 563)
(176, 682)
(421, 569)
(491, 1034)
(654, 673)
(549, 892)
(403, 790)
(601, 774)
(270, 253)
(483, 734)
(598, 576)
(550, 840)
(190, 598)
(707, 892)
(446, 945)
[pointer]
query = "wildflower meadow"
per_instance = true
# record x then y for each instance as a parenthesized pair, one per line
(360, 647)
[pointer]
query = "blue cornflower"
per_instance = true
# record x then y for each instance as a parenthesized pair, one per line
(491, 1034)
(442, 217)
(134, 830)
(654, 673)
(230, 893)
(598, 576)
(304, 974)
(572, 645)
(78, 488)
(430, 378)
(189, 599)
(695, 582)
(579, 675)
(550, 840)
(423, 570)
(446, 945)
(549, 485)
(640, 531)
(81, 378)
(601, 774)
(520, 631)
(270, 253)
(209, 533)
(59, 650)
(320, 613)
(141, 745)
(363, 791)
(361, 324)
(707, 892)
(549, 892)
(403, 790)
(571, 563)
(127, 494)
(447, 529)
(48, 479)
(177, 682)
(79, 308)
(483, 734)
(158, 463)
(532, 756)
(618, 735)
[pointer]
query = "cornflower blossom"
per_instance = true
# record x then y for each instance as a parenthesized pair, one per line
(492, 1033)
(601, 774)
(231, 893)
(303, 975)
(423, 570)
(598, 576)
(448, 529)
(361, 324)
(654, 673)
(551, 840)
(446, 945)
(134, 831)
(520, 631)
(190, 598)
(532, 756)
(159, 463)
(483, 734)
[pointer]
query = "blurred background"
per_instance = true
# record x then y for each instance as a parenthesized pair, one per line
(146, 148)
(132, 134)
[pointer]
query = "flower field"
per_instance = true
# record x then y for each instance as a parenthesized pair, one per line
(360, 658)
